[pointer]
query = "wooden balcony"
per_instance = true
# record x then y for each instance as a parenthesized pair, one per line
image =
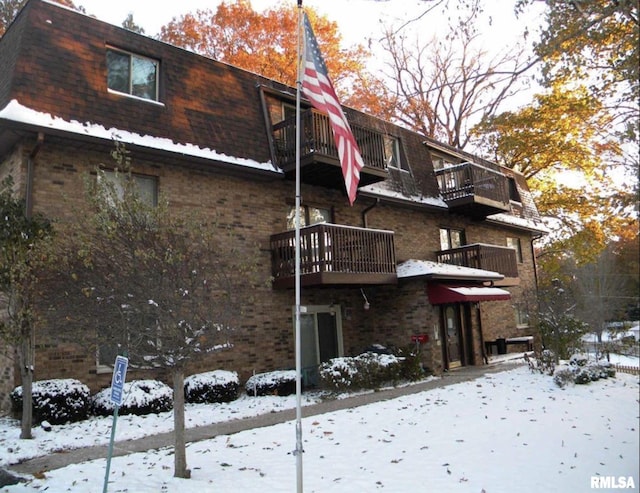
(319, 162)
(334, 255)
(486, 257)
(474, 190)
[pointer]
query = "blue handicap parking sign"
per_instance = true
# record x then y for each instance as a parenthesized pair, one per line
(117, 382)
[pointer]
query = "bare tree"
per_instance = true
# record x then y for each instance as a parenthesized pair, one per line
(446, 85)
(164, 288)
(601, 288)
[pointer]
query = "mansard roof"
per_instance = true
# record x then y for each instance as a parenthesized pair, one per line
(53, 78)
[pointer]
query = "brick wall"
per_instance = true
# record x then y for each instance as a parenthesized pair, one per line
(255, 209)
(6, 377)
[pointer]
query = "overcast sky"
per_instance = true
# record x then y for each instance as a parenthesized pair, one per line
(358, 19)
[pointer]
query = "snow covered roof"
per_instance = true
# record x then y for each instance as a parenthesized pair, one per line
(18, 113)
(435, 270)
(382, 189)
(520, 222)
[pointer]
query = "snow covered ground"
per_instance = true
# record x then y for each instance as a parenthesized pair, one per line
(507, 432)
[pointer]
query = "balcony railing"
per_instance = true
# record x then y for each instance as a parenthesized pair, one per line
(317, 145)
(332, 254)
(480, 256)
(478, 190)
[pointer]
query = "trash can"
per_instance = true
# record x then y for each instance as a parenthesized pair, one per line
(502, 346)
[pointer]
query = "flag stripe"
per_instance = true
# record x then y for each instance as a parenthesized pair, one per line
(317, 86)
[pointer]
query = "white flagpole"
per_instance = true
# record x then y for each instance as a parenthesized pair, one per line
(298, 341)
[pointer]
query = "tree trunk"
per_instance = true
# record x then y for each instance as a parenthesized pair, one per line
(26, 359)
(180, 449)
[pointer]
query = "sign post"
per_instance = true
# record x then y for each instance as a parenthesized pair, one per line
(117, 385)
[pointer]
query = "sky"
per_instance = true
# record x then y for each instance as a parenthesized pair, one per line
(359, 20)
(508, 432)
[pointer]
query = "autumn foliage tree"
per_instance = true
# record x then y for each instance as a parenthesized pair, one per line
(562, 145)
(595, 42)
(263, 42)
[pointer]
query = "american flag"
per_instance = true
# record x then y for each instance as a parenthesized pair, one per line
(317, 86)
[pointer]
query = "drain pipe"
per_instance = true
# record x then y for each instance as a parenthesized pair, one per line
(366, 211)
(30, 161)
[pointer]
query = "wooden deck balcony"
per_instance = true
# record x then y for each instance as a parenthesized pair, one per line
(334, 255)
(480, 256)
(474, 190)
(319, 162)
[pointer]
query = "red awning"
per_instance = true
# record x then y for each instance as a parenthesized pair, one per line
(442, 293)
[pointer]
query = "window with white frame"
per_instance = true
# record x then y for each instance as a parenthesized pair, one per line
(309, 215)
(451, 238)
(392, 154)
(132, 74)
(514, 243)
(522, 316)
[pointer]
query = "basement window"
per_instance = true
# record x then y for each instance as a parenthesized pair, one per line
(132, 74)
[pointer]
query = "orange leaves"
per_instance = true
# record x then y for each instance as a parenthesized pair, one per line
(262, 42)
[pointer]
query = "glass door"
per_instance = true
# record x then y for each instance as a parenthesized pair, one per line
(452, 333)
(321, 339)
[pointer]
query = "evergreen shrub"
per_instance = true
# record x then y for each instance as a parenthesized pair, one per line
(57, 401)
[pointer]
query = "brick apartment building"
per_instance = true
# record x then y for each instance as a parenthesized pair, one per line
(437, 248)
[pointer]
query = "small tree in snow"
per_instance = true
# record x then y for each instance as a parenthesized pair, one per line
(20, 231)
(164, 288)
(559, 330)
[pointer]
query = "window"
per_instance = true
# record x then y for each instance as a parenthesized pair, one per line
(451, 238)
(515, 244)
(514, 195)
(146, 338)
(392, 154)
(132, 74)
(146, 186)
(309, 215)
(522, 316)
(288, 111)
(441, 162)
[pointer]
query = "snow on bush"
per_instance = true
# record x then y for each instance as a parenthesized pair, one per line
(582, 371)
(542, 361)
(57, 401)
(368, 371)
(139, 397)
(213, 386)
(282, 382)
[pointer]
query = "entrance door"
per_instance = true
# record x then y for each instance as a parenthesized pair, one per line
(452, 338)
(321, 339)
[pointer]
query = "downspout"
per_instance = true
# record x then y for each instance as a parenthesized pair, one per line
(366, 211)
(30, 160)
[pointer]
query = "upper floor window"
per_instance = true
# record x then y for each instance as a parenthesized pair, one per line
(392, 154)
(451, 238)
(441, 162)
(132, 74)
(514, 194)
(515, 244)
(309, 215)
